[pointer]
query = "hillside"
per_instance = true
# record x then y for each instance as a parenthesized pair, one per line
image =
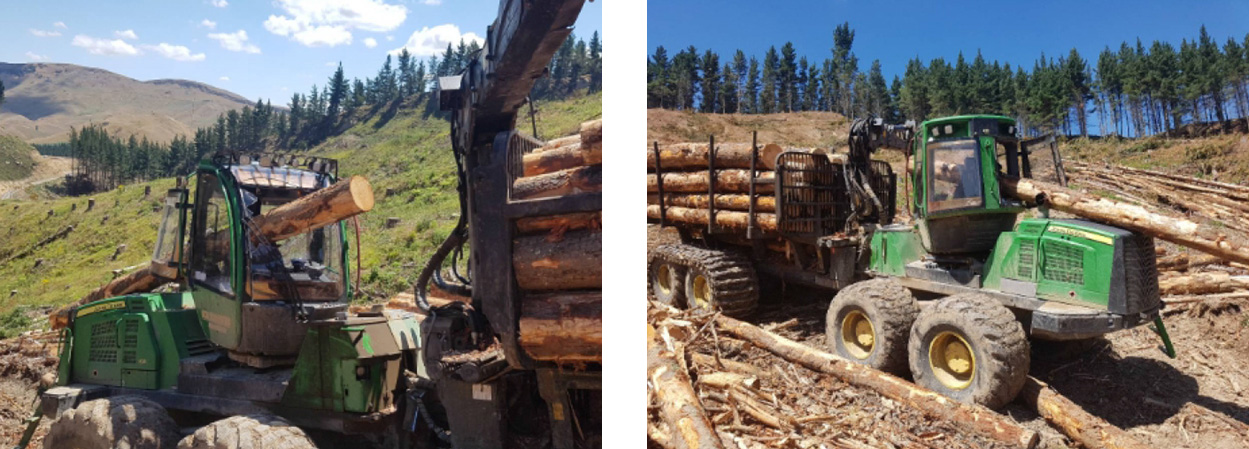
(407, 155)
(42, 102)
(16, 159)
(804, 129)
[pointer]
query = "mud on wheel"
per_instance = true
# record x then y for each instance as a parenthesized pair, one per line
(248, 432)
(665, 275)
(716, 279)
(869, 321)
(117, 422)
(971, 348)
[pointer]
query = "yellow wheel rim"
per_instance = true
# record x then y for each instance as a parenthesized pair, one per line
(702, 292)
(664, 275)
(952, 361)
(858, 335)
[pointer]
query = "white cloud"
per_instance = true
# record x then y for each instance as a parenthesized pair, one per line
(432, 2)
(432, 41)
(127, 34)
(208, 24)
(224, 78)
(219, 3)
(30, 55)
(370, 42)
(42, 33)
(175, 52)
(115, 47)
(60, 25)
(317, 23)
(236, 41)
(390, 37)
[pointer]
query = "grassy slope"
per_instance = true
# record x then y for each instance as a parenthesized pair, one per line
(409, 154)
(15, 160)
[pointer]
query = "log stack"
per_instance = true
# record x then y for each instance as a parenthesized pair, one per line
(557, 260)
(683, 171)
(343, 200)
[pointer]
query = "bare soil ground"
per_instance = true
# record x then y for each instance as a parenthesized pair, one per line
(49, 168)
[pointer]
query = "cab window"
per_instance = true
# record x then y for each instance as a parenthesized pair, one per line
(954, 175)
(210, 262)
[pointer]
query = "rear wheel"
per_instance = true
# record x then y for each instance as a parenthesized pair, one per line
(123, 422)
(971, 348)
(248, 432)
(868, 323)
(664, 276)
(721, 280)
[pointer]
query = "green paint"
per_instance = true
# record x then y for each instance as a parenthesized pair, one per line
(368, 344)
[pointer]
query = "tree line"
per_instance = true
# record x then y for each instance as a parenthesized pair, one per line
(1134, 90)
(103, 161)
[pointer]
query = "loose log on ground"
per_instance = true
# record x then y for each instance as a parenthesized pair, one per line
(727, 201)
(685, 156)
(1210, 298)
(979, 420)
(563, 327)
(1225, 243)
(727, 181)
(566, 222)
(1202, 283)
(562, 158)
(1081, 426)
(679, 408)
(725, 219)
(572, 262)
(560, 183)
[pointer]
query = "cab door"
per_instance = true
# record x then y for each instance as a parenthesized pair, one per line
(213, 269)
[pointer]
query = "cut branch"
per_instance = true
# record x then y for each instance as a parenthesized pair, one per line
(678, 404)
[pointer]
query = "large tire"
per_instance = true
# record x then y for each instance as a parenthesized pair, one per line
(721, 280)
(248, 432)
(869, 322)
(665, 275)
(971, 348)
(122, 422)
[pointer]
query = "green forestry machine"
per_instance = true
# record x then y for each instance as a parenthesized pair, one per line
(950, 295)
(258, 347)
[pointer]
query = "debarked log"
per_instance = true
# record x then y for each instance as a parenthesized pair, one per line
(727, 181)
(725, 219)
(572, 262)
(726, 201)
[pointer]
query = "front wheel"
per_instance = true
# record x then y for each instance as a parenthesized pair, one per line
(248, 432)
(868, 323)
(118, 422)
(971, 348)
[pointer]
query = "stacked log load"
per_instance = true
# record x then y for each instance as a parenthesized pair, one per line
(686, 183)
(558, 259)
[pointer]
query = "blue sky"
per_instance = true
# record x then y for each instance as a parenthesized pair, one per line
(256, 48)
(896, 31)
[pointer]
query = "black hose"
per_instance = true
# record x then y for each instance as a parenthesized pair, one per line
(434, 264)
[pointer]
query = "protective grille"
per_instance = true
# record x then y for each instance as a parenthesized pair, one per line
(1063, 263)
(103, 335)
(805, 194)
(1140, 268)
(517, 147)
(103, 356)
(130, 357)
(884, 185)
(1030, 228)
(1027, 259)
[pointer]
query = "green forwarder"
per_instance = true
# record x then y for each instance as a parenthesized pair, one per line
(951, 295)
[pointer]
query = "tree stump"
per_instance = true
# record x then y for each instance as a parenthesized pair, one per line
(90, 204)
(391, 222)
(120, 249)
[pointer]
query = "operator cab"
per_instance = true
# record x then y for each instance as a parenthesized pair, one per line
(256, 296)
(958, 201)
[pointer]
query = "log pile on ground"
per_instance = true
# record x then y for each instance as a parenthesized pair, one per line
(1207, 221)
(29, 356)
(557, 260)
(758, 389)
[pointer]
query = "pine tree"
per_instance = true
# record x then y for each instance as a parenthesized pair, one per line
(752, 87)
(658, 80)
(710, 82)
(768, 97)
(685, 77)
(596, 63)
(729, 91)
(338, 90)
(787, 79)
(407, 74)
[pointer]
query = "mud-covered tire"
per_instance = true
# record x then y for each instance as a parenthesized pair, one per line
(999, 350)
(717, 279)
(665, 276)
(121, 422)
(248, 432)
(889, 309)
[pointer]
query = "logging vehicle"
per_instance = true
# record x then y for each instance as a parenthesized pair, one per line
(951, 295)
(257, 345)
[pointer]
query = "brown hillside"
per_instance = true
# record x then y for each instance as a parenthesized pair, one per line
(802, 129)
(44, 100)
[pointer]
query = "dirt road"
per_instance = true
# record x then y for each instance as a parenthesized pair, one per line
(49, 168)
